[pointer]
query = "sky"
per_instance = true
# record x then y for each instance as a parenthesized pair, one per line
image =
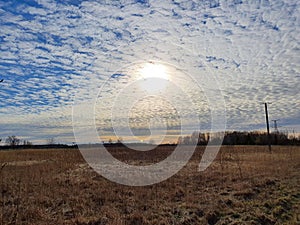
(146, 65)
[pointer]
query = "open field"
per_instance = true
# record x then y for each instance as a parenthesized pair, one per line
(244, 185)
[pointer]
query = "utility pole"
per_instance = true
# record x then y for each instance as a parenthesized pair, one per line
(268, 127)
(275, 126)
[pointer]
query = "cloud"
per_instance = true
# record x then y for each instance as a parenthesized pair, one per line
(53, 50)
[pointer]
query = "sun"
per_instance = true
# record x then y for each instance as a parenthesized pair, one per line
(154, 77)
(152, 70)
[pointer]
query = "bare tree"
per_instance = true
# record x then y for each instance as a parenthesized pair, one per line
(120, 140)
(27, 143)
(12, 140)
(51, 141)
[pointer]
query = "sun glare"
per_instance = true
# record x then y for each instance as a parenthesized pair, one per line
(151, 70)
(154, 77)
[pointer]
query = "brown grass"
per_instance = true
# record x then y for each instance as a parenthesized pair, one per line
(244, 185)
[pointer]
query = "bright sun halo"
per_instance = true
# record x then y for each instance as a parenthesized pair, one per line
(154, 77)
(151, 70)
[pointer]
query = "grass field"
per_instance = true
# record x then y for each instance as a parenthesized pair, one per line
(244, 185)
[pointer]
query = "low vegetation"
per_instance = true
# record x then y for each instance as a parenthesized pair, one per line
(244, 185)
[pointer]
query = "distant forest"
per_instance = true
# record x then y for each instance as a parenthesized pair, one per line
(197, 138)
(241, 138)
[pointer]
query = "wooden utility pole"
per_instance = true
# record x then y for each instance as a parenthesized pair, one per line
(268, 127)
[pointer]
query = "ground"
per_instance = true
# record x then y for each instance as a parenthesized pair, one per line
(244, 185)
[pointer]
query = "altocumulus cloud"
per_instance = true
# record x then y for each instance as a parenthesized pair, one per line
(51, 50)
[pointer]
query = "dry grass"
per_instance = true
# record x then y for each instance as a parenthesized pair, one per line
(244, 185)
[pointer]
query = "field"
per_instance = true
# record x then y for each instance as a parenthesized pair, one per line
(244, 185)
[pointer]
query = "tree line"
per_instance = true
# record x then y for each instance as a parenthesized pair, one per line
(240, 138)
(198, 138)
(14, 141)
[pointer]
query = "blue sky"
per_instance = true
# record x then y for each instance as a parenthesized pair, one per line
(54, 51)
